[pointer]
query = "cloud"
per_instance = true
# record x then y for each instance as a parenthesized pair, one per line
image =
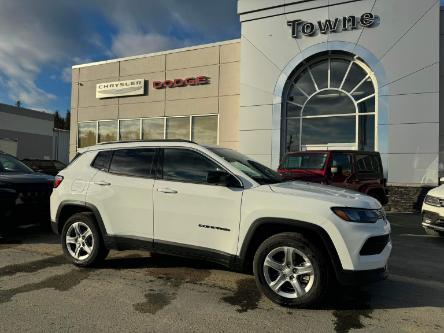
(35, 36)
(128, 44)
(46, 36)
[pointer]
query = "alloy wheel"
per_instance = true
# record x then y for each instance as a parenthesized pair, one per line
(288, 272)
(79, 241)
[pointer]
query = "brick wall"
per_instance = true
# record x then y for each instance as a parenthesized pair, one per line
(406, 198)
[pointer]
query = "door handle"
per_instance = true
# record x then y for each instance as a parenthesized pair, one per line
(102, 183)
(167, 190)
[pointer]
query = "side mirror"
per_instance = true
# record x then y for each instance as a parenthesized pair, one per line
(336, 170)
(223, 178)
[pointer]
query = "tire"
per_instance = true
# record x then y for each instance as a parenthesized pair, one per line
(378, 196)
(432, 232)
(83, 225)
(313, 284)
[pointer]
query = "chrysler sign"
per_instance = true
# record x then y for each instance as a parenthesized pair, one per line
(120, 88)
(345, 23)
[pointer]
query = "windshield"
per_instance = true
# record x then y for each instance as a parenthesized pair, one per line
(254, 170)
(305, 161)
(9, 164)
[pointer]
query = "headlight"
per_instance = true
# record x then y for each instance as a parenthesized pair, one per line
(359, 215)
(432, 201)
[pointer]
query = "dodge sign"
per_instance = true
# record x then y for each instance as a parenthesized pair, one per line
(120, 88)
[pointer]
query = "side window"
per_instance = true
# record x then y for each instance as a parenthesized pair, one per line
(342, 160)
(133, 162)
(185, 165)
(367, 164)
(102, 160)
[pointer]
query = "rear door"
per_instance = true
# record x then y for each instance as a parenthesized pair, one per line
(190, 212)
(122, 190)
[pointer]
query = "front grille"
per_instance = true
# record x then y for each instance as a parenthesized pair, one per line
(375, 245)
(432, 219)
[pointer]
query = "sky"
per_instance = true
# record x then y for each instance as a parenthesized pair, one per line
(41, 40)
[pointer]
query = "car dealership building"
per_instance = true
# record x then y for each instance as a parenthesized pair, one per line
(305, 75)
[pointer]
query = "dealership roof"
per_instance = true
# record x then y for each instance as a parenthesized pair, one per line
(189, 48)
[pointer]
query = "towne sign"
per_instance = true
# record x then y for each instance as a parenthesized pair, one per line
(346, 23)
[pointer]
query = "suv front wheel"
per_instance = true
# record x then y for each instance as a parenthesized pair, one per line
(81, 240)
(291, 271)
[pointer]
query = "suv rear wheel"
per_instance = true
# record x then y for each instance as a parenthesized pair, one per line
(81, 240)
(291, 271)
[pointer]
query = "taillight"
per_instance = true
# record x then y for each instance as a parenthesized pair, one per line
(57, 181)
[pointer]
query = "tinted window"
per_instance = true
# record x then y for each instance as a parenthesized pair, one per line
(367, 164)
(102, 160)
(253, 169)
(187, 166)
(343, 161)
(305, 161)
(9, 164)
(59, 165)
(133, 162)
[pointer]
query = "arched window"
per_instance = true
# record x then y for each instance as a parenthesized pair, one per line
(330, 102)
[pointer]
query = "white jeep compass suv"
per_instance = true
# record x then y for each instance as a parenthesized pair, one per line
(211, 203)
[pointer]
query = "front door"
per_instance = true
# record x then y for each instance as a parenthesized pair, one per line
(123, 193)
(190, 212)
(342, 162)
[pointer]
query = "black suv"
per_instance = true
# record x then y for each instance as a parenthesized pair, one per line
(49, 167)
(24, 194)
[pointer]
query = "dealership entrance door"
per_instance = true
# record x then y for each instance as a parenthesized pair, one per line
(330, 104)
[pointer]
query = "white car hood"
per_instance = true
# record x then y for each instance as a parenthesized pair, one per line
(335, 195)
(437, 192)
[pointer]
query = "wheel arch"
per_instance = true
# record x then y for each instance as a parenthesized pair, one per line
(69, 208)
(266, 227)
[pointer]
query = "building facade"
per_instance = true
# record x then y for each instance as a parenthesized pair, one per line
(26, 133)
(319, 74)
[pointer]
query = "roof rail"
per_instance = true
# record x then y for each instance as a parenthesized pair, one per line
(138, 141)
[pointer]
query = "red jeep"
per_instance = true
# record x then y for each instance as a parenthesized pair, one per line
(356, 170)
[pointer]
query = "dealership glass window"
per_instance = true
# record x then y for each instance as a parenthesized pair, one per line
(87, 134)
(178, 128)
(367, 132)
(129, 130)
(204, 129)
(325, 130)
(330, 101)
(153, 129)
(107, 131)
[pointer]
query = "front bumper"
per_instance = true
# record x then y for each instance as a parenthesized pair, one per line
(55, 227)
(432, 219)
(354, 278)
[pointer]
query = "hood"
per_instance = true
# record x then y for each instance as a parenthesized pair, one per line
(335, 195)
(437, 192)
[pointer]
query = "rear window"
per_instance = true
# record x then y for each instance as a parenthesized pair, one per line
(305, 161)
(102, 160)
(368, 164)
(133, 162)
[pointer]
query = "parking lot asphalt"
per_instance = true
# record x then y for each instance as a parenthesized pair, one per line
(134, 291)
